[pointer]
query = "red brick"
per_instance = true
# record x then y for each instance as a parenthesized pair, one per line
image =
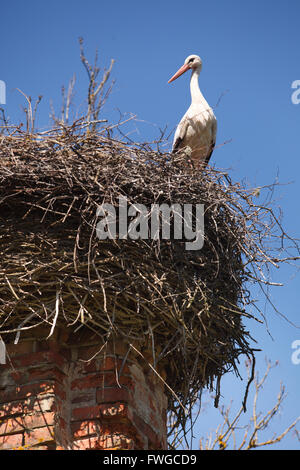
(146, 430)
(87, 443)
(112, 395)
(99, 411)
(12, 441)
(40, 357)
(85, 397)
(112, 381)
(88, 381)
(100, 380)
(40, 404)
(81, 429)
(32, 374)
(21, 423)
(123, 436)
(14, 393)
(108, 363)
(45, 373)
(86, 412)
(39, 435)
(116, 441)
(115, 409)
(11, 409)
(86, 403)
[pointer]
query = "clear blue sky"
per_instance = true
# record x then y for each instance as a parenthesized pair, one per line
(250, 50)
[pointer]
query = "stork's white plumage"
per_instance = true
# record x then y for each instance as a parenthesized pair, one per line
(196, 132)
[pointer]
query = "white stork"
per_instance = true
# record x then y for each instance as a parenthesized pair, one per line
(196, 132)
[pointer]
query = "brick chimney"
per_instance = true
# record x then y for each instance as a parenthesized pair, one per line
(62, 393)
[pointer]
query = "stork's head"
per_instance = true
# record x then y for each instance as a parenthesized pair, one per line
(191, 62)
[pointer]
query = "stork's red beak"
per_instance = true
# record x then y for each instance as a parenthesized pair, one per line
(179, 72)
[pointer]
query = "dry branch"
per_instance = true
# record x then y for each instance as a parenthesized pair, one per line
(233, 434)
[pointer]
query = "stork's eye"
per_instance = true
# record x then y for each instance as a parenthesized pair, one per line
(191, 60)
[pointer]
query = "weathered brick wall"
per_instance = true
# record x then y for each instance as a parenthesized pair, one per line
(52, 396)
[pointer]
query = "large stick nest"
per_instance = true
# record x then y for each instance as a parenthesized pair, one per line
(187, 306)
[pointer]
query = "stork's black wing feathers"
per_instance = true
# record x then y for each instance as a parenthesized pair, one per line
(213, 142)
(177, 144)
(211, 149)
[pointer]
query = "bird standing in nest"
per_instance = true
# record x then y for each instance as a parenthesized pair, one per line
(196, 132)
